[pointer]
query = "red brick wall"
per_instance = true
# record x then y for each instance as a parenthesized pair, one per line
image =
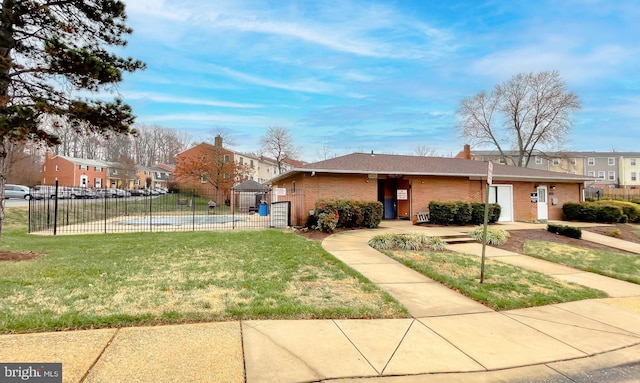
(425, 190)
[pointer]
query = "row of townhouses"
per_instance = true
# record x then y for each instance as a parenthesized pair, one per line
(82, 172)
(610, 169)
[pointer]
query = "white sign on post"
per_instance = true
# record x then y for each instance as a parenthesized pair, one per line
(490, 173)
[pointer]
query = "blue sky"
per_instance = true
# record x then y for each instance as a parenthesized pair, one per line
(387, 76)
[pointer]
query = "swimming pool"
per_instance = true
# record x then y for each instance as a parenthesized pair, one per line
(180, 220)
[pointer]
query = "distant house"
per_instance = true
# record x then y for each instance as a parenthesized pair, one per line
(406, 184)
(71, 171)
(82, 172)
(152, 177)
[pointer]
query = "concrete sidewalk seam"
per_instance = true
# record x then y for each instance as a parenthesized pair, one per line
(454, 346)
(354, 346)
(398, 346)
(104, 349)
(596, 320)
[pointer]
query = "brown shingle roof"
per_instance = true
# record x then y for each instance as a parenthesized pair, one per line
(363, 163)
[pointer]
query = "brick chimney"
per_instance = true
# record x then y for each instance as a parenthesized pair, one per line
(47, 156)
(218, 141)
(465, 154)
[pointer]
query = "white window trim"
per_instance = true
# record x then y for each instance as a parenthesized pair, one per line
(538, 160)
(591, 161)
(611, 161)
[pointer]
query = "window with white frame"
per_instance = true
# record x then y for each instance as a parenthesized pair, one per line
(538, 160)
(633, 162)
(57, 168)
(98, 169)
(556, 161)
(226, 158)
(203, 179)
(601, 174)
(227, 175)
(612, 176)
(591, 161)
(591, 173)
(502, 160)
(572, 161)
(634, 177)
(611, 161)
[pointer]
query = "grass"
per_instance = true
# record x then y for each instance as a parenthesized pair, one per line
(93, 281)
(505, 287)
(612, 264)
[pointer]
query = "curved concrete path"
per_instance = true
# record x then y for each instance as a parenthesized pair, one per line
(449, 338)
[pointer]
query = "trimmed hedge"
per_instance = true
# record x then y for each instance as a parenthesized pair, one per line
(332, 214)
(461, 213)
(567, 231)
(602, 211)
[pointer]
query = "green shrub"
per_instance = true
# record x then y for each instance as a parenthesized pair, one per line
(461, 213)
(371, 214)
(630, 209)
(494, 212)
(495, 235)
(553, 228)
(635, 200)
(348, 213)
(589, 212)
(571, 232)
(441, 213)
(567, 231)
(609, 214)
(477, 213)
(327, 222)
(571, 211)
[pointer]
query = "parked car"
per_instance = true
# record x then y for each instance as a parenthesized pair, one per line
(16, 191)
(82, 193)
(137, 192)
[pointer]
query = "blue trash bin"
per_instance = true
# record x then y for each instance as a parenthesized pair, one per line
(264, 209)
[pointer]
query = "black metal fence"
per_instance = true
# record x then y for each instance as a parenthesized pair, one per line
(184, 211)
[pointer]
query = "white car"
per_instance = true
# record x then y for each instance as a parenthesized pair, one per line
(16, 191)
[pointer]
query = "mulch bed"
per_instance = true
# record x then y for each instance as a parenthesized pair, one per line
(19, 255)
(518, 237)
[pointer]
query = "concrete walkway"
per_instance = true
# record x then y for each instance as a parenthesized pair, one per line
(449, 338)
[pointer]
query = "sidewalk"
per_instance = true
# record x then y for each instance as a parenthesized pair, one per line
(449, 337)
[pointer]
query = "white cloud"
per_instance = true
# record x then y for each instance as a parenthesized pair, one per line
(185, 100)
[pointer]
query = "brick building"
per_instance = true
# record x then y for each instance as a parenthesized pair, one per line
(406, 184)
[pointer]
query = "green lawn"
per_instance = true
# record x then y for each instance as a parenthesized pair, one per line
(612, 264)
(505, 286)
(89, 281)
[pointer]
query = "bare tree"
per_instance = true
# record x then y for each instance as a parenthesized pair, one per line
(425, 151)
(278, 144)
(526, 114)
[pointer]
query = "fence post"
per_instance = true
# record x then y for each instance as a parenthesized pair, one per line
(55, 211)
(193, 210)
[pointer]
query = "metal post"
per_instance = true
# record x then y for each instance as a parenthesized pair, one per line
(484, 233)
(55, 211)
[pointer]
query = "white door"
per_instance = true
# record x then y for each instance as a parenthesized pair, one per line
(543, 206)
(503, 196)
